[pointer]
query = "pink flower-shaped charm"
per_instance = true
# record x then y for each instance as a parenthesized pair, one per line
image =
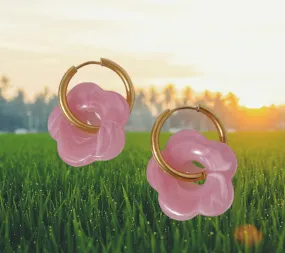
(92, 105)
(182, 200)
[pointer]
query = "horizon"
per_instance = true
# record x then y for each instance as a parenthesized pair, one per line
(236, 52)
(160, 90)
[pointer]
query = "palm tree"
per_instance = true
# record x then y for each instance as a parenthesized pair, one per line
(184, 117)
(207, 98)
(187, 95)
(140, 98)
(169, 100)
(46, 93)
(169, 95)
(17, 108)
(5, 82)
(232, 103)
(4, 85)
(200, 120)
(218, 101)
(153, 99)
(232, 100)
(219, 107)
(4, 122)
(141, 117)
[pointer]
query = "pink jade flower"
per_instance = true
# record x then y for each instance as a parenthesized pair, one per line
(94, 106)
(182, 200)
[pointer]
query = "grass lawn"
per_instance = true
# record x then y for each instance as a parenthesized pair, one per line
(47, 206)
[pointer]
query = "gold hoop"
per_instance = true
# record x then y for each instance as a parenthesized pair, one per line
(155, 132)
(62, 91)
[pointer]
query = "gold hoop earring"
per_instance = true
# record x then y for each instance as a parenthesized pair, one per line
(91, 127)
(184, 200)
(62, 91)
(155, 132)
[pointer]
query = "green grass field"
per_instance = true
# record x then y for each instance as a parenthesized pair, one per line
(47, 206)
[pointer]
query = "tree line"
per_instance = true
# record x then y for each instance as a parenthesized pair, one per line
(33, 116)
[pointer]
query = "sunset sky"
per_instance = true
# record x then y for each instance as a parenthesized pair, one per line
(221, 45)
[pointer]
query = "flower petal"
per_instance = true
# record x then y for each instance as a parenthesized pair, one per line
(183, 200)
(85, 96)
(108, 105)
(157, 178)
(94, 106)
(216, 195)
(115, 109)
(190, 145)
(177, 199)
(54, 122)
(179, 202)
(186, 146)
(176, 208)
(219, 158)
(186, 135)
(110, 142)
(75, 149)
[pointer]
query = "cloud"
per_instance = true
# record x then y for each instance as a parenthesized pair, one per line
(233, 44)
(30, 70)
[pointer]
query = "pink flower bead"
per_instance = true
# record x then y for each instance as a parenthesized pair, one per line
(92, 105)
(182, 200)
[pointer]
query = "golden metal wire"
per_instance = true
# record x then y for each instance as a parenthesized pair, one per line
(155, 132)
(62, 91)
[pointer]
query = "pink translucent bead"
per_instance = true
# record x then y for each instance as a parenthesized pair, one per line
(92, 105)
(182, 200)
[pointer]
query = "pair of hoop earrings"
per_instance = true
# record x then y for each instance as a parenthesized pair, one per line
(88, 126)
